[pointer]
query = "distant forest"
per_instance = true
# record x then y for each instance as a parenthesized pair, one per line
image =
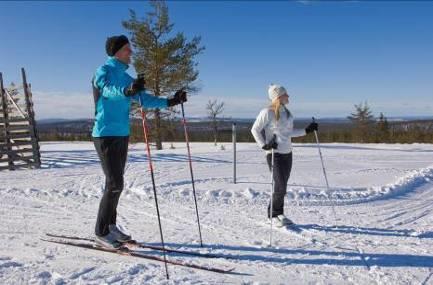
(379, 130)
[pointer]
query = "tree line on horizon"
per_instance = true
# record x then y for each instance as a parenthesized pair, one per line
(362, 128)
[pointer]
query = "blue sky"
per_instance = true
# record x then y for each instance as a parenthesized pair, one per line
(328, 55)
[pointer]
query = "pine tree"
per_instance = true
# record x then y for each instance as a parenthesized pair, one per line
(363, 120)
(13, 92)
(383, 129)
(167, 62)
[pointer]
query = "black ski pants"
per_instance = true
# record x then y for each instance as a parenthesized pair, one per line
(112, 152)
(282, 169)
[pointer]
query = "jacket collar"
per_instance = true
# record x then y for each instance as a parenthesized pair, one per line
(117, 64)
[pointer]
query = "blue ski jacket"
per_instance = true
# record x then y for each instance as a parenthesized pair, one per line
(111, 105)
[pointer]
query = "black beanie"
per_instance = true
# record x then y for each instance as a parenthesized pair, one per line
(115, 43)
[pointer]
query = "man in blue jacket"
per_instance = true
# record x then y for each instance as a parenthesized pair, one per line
(113, 90)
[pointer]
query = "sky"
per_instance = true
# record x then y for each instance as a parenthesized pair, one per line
(329, 55)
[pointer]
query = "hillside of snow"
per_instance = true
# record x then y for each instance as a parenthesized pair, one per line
(374, 226)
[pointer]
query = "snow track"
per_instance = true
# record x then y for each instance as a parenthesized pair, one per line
(383, 198)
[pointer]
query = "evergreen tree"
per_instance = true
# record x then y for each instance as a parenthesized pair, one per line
(383, 129)
(363, 120)
(167, 61)
(13, 91)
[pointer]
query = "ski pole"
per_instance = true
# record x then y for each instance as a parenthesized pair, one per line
(272, 194)
(324, 172)
(145, 131)
(192, 175)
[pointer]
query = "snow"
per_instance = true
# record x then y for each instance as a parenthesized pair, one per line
(381, 232)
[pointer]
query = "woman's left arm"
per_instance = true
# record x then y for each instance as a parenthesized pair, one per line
(298, 133)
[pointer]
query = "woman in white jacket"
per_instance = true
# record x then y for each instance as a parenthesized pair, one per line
(273, 129)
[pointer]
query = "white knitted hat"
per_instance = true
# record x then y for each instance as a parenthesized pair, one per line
(276, 91)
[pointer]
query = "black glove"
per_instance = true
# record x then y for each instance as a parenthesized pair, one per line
(136, 86)
(272, 144)
(178, 98)
(312, 127)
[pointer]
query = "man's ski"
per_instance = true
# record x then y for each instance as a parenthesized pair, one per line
(134, 243)
(126, 251)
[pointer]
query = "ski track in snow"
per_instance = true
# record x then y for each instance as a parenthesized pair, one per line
(382, 234)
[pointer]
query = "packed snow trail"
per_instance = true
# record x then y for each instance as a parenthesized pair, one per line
(383, 233)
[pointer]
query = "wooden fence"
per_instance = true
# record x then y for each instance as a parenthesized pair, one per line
(19, 142)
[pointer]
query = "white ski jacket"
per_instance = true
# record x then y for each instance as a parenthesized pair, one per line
(283, 129)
